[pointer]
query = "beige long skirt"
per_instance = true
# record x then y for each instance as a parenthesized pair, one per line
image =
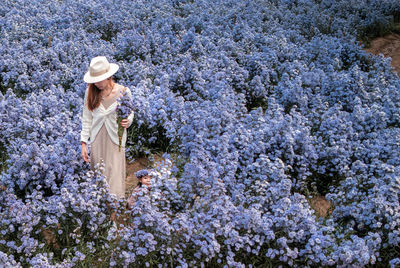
(103, 149)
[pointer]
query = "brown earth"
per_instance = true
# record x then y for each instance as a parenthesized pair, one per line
(389, 46)
(321, 206)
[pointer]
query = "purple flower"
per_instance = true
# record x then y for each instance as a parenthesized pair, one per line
(124, 108)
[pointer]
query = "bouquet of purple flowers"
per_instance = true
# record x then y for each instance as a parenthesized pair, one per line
(124, 109)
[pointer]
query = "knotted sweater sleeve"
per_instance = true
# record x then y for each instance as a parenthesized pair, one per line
(86, 119)
(131, 116)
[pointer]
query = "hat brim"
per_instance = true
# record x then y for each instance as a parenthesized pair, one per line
(94, 79)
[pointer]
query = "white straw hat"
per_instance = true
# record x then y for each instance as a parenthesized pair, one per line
(99, 70)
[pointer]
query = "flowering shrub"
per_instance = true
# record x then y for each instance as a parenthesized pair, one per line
(75, 219)
(260, 104)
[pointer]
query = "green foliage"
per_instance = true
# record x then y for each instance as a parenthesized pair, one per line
(144, 140)
(379, 29)
(3, 158)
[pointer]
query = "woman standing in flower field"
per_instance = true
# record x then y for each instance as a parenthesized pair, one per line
(99, 123)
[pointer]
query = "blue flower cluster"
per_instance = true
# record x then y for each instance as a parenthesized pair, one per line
(125, 105)
(141, 173)
(263, 104)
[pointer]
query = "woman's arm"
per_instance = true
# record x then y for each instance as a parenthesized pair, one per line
(130, 117)
(86, 120)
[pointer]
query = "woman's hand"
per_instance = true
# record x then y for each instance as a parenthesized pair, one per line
(84, 152)
(124, 123)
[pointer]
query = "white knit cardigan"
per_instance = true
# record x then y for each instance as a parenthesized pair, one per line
(92, 121)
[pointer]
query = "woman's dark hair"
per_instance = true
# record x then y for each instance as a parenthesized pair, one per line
(94, 97)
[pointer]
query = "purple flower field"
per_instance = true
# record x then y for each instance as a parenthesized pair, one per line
(258, 106)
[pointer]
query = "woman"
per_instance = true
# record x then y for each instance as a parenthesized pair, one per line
(99, 124)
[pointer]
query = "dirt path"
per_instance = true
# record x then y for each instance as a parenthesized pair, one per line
(389, 46)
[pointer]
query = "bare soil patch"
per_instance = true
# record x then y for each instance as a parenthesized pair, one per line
(322, 207)
(389, 46)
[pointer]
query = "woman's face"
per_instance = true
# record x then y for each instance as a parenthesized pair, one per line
(104, 84)
(146, 180)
